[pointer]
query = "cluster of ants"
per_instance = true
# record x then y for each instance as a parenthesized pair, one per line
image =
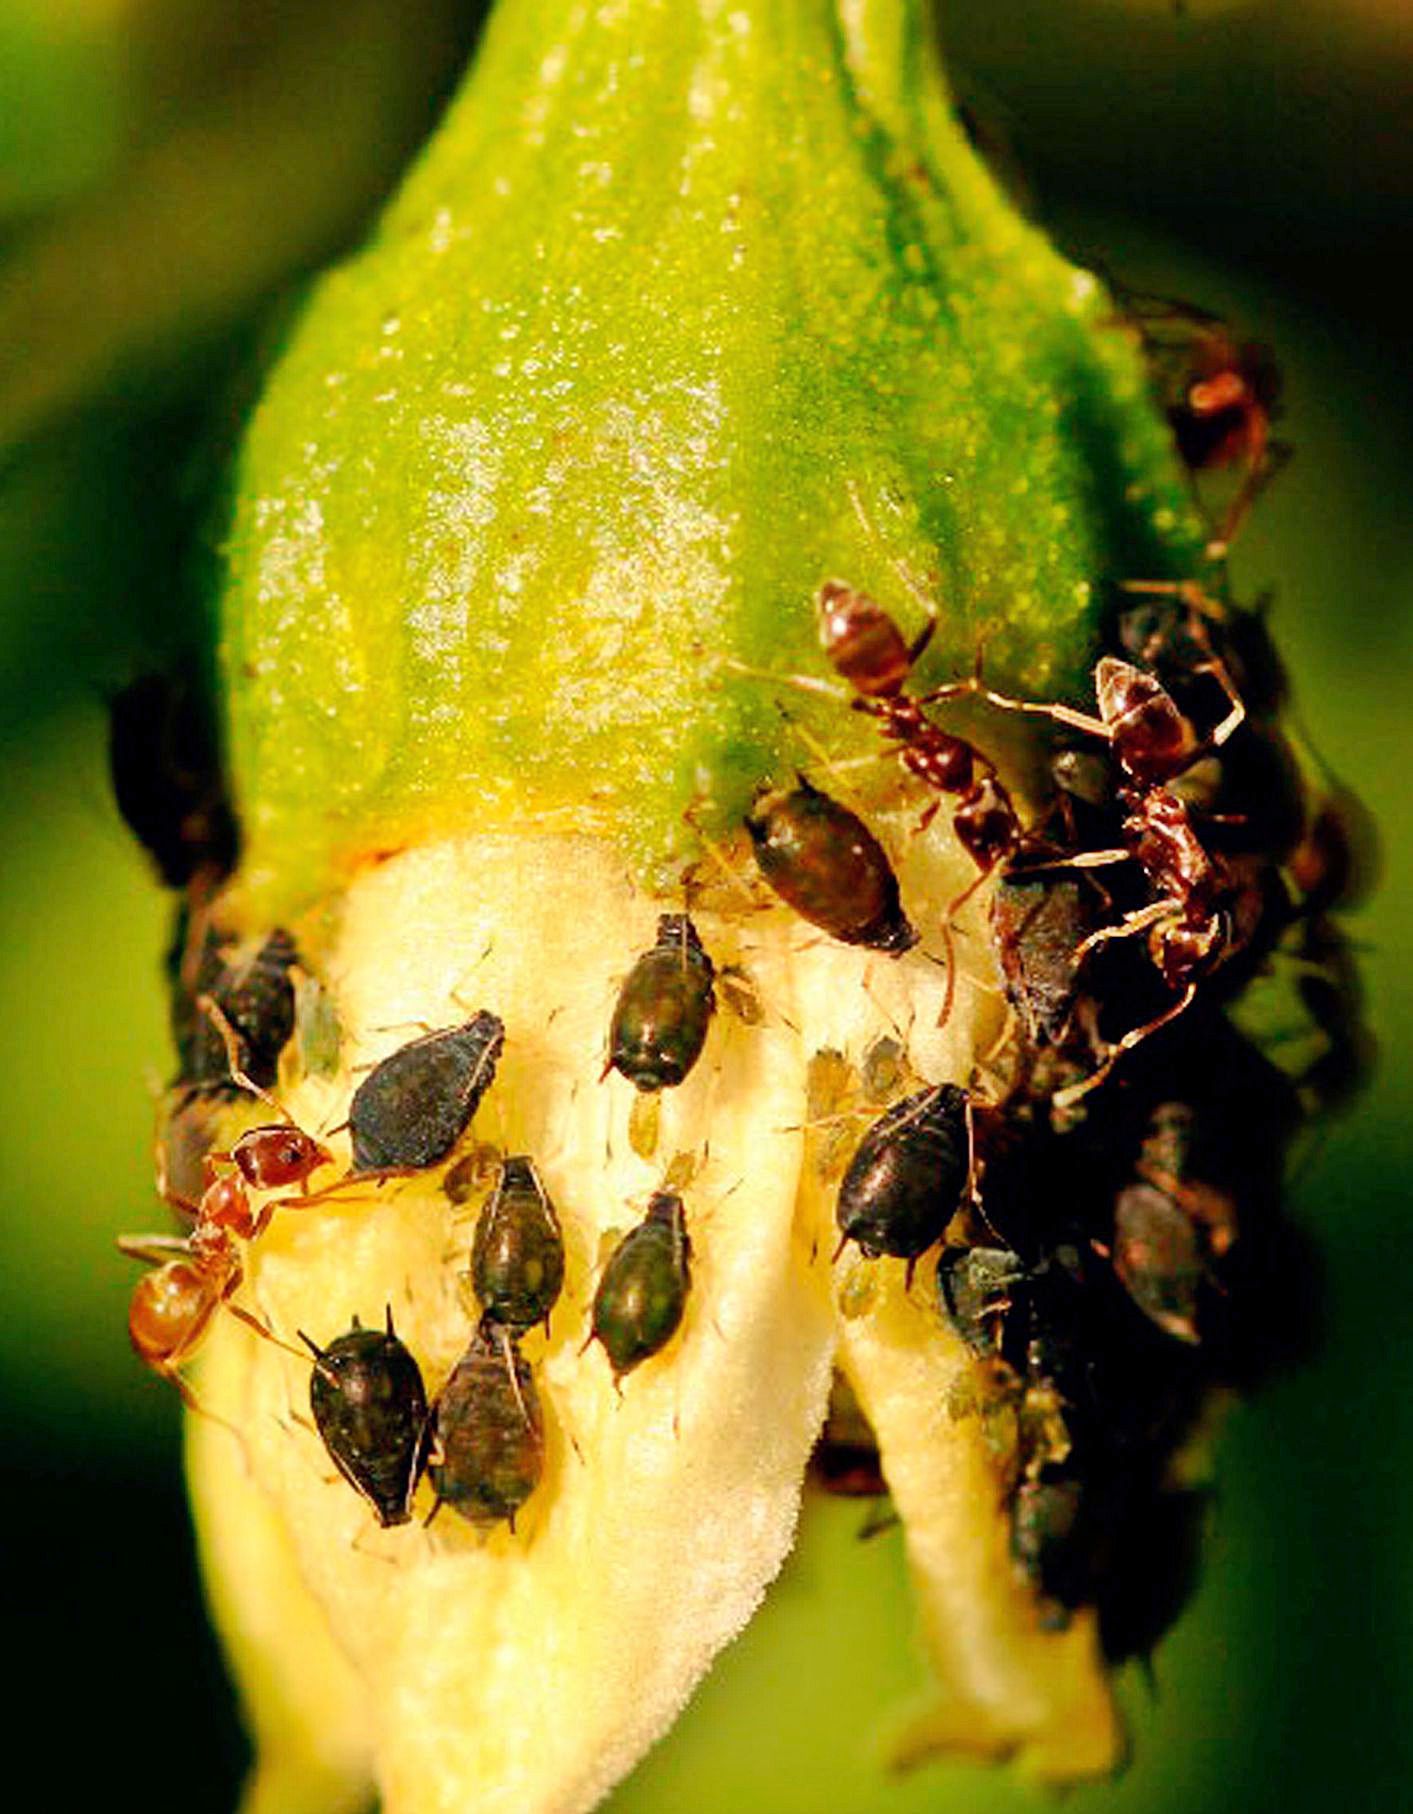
(1109, 1233)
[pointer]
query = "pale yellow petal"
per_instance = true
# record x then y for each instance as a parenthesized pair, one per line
(530, 1671)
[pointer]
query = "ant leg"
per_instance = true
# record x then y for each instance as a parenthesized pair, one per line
(1037, 708)
(254, 1323)
(1138, 921)
(154, 1250)
(1236, 715)
(1066, 1098)
(1266, 461)
(211, 1008)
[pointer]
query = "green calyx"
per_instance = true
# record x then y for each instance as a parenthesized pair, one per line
(687, 307)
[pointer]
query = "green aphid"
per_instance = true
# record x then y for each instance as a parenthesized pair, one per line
(643, 1290)
(664, 1008)
(488, 1450)
(517, 1259)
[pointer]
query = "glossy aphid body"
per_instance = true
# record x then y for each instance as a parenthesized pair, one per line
(909, 1176)
(866, 648)
(370, 1408)
(664, 1008)
(642, 1292)
(488, 1431)
(823, 861)
(413, 1107)
(517, 1258)
(167, 782)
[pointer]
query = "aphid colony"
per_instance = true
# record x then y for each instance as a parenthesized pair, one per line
(1108, 1229)
(480, 1441)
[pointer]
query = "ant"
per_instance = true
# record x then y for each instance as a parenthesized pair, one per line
(1220, 395)
(865, 647)
(1189, 925)
(195, 1274)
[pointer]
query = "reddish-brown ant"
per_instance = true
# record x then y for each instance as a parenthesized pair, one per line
(866, 648)
(172, 1306)
(1188, 923)
(1220, 395)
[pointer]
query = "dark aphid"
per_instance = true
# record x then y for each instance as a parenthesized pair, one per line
(643, 1290)
(909, 1175)
(1038, 928)
(257, 998)
(826, 864)
(410, 1110)
(977, 1286)
(517, 1259)
(167, 781)
(1158, 1259)
(664, 1008)
(370, 1406)
(1045, 1532)
(489, 1440)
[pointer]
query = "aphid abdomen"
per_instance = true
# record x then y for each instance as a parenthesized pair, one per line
(906, 1180)
(489, 1431)
(664, 1008)
(825, 863)
(643, 1291)
(410, 1110)
(370, 1406)
(517, 1260)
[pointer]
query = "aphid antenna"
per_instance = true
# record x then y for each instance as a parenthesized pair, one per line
(212, 1009)
(454, 994)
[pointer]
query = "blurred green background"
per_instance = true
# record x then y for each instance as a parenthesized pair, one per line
(167, 169)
